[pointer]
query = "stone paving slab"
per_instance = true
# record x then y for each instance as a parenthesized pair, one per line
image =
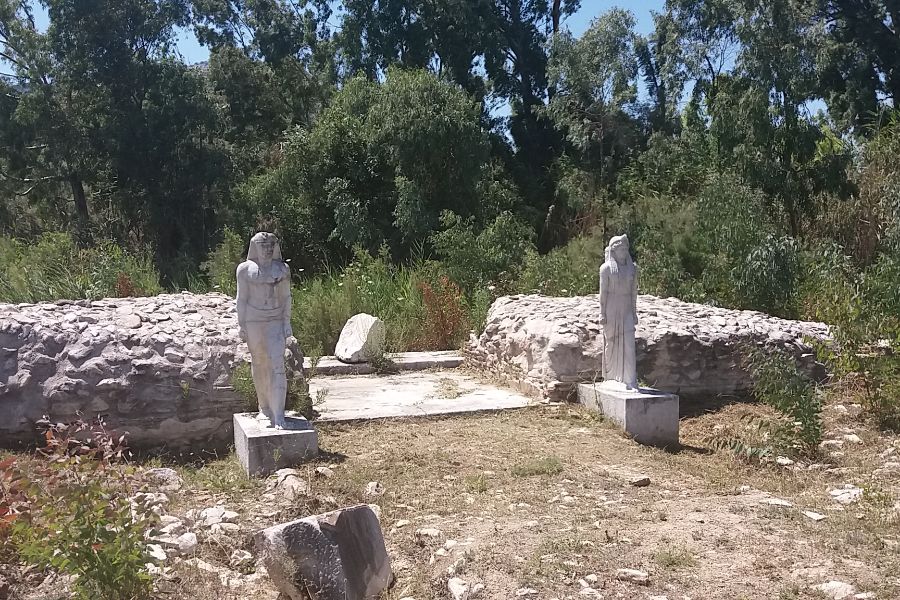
(360, 397)
(405, 361)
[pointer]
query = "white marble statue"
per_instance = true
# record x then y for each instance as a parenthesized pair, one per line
(264, 318)
(618, 314)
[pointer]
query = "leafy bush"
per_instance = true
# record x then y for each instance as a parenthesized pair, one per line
(70, 511)
(779, 384)
(221, 265)
(493, 256)
(571, 270)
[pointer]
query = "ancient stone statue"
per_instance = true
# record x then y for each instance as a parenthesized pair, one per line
(618, 314)
(264, 318)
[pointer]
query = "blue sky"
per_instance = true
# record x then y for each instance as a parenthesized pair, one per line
(193, 52)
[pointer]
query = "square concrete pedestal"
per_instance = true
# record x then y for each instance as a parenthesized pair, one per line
(262, 450)
(649, 416)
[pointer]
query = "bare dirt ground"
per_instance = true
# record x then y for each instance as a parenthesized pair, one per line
(539, 503)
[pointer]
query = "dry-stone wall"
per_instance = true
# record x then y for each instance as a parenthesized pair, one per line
(159, 368)
(548, 344)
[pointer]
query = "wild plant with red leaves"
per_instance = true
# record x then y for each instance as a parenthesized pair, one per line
(69, 509)
(444, 322)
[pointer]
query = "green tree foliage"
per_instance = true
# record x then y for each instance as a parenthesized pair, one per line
(379, 166)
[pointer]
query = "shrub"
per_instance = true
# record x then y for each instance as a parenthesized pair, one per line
(71, 511)
(493, 256)
(444, 325)
(571, 270)
(779, 384)
(221, 265)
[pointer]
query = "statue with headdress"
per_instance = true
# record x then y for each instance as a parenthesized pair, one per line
(618, 314)
(264, 320)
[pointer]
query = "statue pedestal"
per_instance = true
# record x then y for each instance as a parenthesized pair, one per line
(262, 450)
(649, 416)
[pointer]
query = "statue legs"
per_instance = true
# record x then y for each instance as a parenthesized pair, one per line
(267, 344)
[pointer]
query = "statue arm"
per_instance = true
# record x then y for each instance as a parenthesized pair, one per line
(634, 293)
(604, 292)
(241, 276)
(284, 292)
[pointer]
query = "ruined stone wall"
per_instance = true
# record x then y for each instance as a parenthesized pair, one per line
(546, 344)
(159, 368)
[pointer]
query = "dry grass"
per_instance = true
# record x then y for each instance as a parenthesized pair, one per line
(541, 498)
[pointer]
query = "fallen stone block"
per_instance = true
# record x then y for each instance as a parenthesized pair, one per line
(362, 339)
(338, 555)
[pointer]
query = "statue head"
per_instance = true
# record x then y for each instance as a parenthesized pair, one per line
(617, 253)
(264, 248)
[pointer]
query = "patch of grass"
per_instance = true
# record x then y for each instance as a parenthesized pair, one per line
(674, 557)
(448, 388)
(220, 476)
(476, 483)
(548, 465)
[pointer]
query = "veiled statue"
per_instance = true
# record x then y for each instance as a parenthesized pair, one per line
(618, 314)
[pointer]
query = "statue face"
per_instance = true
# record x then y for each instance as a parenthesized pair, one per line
(267, 248)
(620, 251)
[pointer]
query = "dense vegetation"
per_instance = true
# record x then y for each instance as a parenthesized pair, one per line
(420, 158)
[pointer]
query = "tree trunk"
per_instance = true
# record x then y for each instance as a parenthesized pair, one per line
(82, 216)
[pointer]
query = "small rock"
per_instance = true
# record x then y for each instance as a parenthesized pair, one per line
(837, 590)
(374, 489)
(776, 502)
(211, 516)
(429, 532)
(853, 438)
(526, 592)
(814, 515)
(164, 479)
(156, 552)
(240, 558)
(592, 578)
(459, 589)
(865, 596)
(402, 523)
(783, 461)
(324, 472)
(290, 484)
(590, 593)
(229, 516)
(476, 590)
(831, 444)
(642, 481)
(224, 528)
(849, 494)
(568, 500)
(633, 576)
(187, 542)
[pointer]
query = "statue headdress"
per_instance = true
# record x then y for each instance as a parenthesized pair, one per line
(608, 257)
(253, 252)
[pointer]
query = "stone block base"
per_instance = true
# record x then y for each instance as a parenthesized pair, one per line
(262, 450)
(649, 416)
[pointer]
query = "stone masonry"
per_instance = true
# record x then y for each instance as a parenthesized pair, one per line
(694, 350)
(158, 368)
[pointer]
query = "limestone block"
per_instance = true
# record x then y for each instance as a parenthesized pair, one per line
(166, 381)
(334, 556)
(649, 416)
(262, 449)
(546, 345)
(361, 340)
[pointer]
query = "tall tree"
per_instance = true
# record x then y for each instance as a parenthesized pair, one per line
(860, 71)
(594, 78)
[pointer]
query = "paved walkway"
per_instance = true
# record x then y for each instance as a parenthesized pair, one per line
(412, 394)
(404, 361)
